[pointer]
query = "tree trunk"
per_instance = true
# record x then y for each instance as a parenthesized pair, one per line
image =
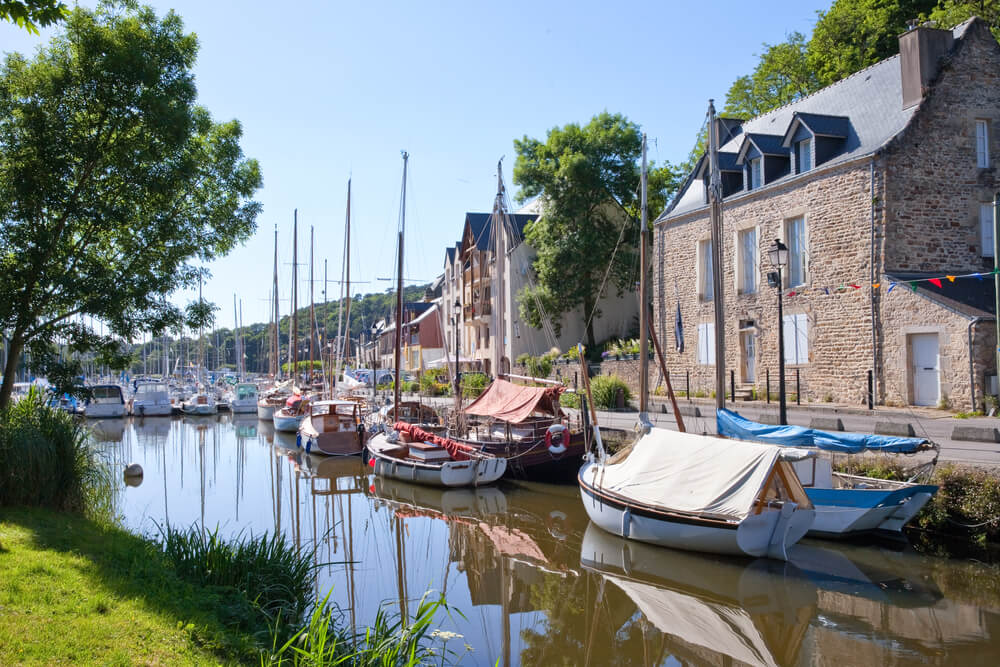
(14, 348)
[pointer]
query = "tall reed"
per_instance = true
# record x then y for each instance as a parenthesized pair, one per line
(46, 460)
(273, 574)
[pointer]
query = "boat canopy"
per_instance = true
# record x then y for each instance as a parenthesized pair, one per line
(694, 474)
(733, 425)
(515, 403)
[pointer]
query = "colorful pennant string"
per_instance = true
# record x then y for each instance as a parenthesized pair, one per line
(937, 281)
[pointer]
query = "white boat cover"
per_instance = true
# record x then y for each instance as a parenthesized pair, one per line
(691, 473)
(723, 629)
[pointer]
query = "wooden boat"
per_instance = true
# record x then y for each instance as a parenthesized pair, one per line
(333, 428)
(846, 505)
(699, 493)
(526, 426)
(106, 401)
(413, 455)
(289, 418)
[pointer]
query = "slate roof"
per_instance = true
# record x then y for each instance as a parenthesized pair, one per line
(481, 225)
(823, 125)
(871, 98)
(449, 255)
(970, 297)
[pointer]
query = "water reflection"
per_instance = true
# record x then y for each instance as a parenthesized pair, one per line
(535, 582)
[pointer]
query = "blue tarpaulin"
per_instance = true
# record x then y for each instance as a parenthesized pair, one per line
(732, 425)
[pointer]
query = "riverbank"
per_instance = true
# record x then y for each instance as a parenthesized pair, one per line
(74, 590)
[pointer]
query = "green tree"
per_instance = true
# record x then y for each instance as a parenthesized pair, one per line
(783, 75)
(949, 13)
(30, 14)
(589, 179)
(113, 182)
(854, 34)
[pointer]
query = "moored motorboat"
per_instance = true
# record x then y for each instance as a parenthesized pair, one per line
(105, 401)
(243, 398)
(411, 454)
(333, 428)
(698, 493)
(846, 505)
(151, 399)
(202, 403)
(272, 400)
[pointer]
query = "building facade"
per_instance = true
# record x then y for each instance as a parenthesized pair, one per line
(881, 188)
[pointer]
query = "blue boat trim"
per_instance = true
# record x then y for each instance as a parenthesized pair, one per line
(865, 498)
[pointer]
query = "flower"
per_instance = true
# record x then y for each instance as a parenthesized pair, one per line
(445, 635)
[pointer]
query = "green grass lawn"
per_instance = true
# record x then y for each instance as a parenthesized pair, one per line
(72, 591)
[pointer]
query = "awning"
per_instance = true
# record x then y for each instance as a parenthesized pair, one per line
(514, 403)
(447, 361)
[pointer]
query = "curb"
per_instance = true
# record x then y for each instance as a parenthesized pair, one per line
(901, 429)
(975, 433)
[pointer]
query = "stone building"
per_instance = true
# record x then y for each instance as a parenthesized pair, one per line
(876, 184)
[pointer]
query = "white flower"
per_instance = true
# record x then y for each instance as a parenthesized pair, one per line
(445, 635)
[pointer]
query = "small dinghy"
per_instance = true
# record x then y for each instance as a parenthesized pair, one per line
(289, 418)
(699, 493)
(411, 454)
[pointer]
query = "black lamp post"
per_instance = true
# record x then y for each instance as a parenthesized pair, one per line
(778, 254)
(457, 306)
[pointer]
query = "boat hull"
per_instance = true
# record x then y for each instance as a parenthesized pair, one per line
(202, 410)
(531, 460)
(104, 411)
(287, 424)
(473, 472)
(266, 412)
(844, 513)
(244, 406)
(767, 534)
(152, 409)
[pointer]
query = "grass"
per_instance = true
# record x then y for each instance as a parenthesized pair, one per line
(78, 591)
(966, 415)
(604, 389)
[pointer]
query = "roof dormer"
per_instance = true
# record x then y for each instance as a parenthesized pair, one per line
(732, 174)
(763, 159)
(815, 139)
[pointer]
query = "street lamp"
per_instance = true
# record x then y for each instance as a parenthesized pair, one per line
(456, 308)
(778, 254)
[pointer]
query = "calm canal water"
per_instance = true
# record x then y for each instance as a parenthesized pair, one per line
(534, 582)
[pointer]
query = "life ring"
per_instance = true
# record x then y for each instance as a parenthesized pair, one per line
(556, 524)
(560, 447)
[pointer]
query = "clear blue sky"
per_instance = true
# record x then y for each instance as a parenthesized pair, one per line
(328, 90)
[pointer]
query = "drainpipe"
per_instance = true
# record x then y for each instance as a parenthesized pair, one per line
(872, 281)
(972, 372)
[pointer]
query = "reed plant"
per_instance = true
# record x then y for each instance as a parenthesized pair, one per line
(274, 575)
(47, 460)
(387, 642)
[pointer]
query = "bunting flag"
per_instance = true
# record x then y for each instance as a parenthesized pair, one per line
(937, 281)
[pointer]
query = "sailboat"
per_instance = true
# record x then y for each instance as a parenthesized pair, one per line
(689, 491)
(274, 397)
(288, 418)
(202, 402)
(409, 453)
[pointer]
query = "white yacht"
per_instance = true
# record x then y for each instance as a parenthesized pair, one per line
(106, 400)
(244, 397)
(151, 399)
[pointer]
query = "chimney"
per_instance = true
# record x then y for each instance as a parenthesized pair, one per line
(920, 51)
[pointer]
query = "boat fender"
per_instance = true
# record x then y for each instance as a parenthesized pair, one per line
(298, 440)
(560, 445)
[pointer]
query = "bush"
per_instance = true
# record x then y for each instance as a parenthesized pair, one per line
(473, 384)
(604, 389)
(435, 383)
(570, 399)
(46, 460)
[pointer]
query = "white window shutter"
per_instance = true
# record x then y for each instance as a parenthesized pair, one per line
(986, 228)
(789, 334)
(982, 144)
(801, 339)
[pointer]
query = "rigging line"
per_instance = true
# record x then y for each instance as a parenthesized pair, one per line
(607, 272)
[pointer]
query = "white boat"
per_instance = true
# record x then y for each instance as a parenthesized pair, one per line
(243, 398)
(202, 403)
(699, 493)
(151, 399)
(846, 505)
(289, 418)
(333, 428)
(106, 401)
(424, 458)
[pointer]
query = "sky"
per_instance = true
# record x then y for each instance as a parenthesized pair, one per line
(327, 91)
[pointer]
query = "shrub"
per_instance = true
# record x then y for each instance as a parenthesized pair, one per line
(473, 384)
(46, 460)
(570, 399)
(604, 389)
(523, 359)
(435, 383)
(539, 367)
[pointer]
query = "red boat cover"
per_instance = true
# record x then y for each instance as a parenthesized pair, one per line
(459, 451)
(293, 400)
(514, 403)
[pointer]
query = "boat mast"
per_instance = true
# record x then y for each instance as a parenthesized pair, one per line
(293, 341)
(499, 263)
(275, 328)
(399, 294)
(644, 422)
(347, 269)
(312, 303)
(236, 339)
(715, 197)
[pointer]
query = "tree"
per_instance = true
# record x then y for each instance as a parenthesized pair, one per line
(854, 34)
(949, 13)
(589, 179)
(30, 14)
(113, 182)
(783, 75)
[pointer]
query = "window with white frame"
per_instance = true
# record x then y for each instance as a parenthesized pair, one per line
(756, 173)
(986, 228)
(796, 339)
(795, 233)
(746, 243)
(706, 344)
(706, 287)
(803, 156)
(982, 144)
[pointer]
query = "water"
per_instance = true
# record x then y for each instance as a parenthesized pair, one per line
(535, 584)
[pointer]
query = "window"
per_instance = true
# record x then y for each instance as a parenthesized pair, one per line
(986, 229)
(795, 232)
(982, 144)
(755, 173)
(796, 339)
(803, 156)
(747, 261)
(706, 344)
(706, 288)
